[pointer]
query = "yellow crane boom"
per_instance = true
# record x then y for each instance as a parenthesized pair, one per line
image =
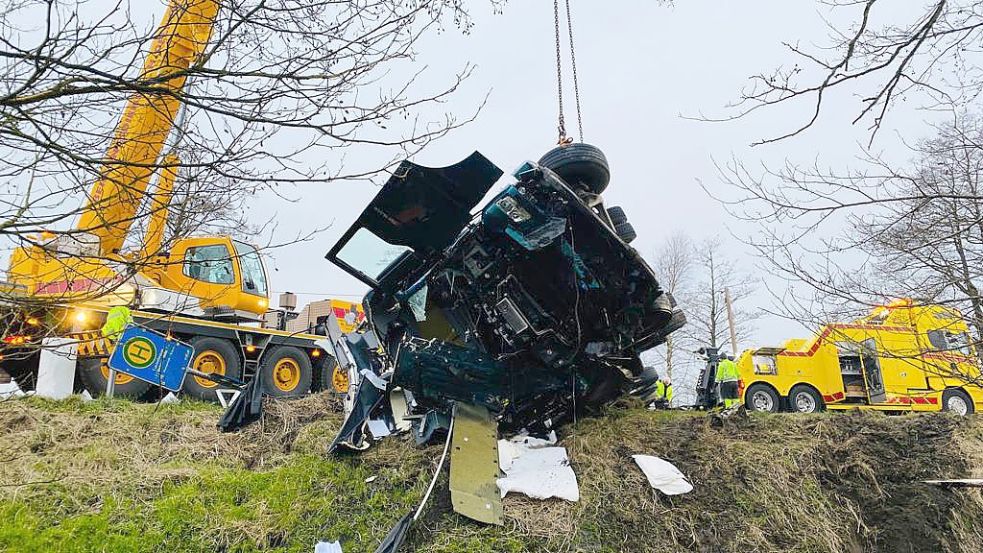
(147, 120)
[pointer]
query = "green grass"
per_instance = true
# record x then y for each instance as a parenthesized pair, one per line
(116, 476)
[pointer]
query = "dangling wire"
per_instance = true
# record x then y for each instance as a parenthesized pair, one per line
(561, 123)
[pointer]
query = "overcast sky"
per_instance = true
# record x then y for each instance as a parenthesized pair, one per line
(642, 68)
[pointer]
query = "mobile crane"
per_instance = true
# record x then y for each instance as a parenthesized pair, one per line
(208, 290)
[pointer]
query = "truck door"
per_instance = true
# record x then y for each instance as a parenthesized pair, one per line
(872, 372)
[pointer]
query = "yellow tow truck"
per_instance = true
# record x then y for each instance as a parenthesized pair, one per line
(902, 357)
(210, 291)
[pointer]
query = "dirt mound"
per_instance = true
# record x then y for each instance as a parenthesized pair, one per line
(110, 475)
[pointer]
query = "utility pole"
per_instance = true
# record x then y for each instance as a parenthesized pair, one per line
(730, 322)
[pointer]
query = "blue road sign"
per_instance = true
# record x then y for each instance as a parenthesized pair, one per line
(152, 357)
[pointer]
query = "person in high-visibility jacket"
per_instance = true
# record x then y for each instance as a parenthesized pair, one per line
(660, 398)
(727, 377)
(116, 320)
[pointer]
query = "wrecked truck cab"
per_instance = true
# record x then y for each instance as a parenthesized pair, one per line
(531, 306)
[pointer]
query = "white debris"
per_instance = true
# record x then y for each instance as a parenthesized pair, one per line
(10, 390)
(379, 428)
(226, 397)
(169, 398)
(375, 379)
(86, 396)
(327, 547)
(538, 471)
(663, 475)
(371, 479)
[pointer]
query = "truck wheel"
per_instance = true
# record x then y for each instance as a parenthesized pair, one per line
(94, 375)
(803, 399)
(212, 355)
(957, 401)
(617, 215)
(286, 372)
(626, 232)
(580, 166)
(760, 397)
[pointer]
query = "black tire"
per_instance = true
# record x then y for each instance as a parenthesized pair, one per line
(211, 353)
(951, 399)
(761, 397)
(805, 399)
(617, 215)
(286, 371)
(580, 166)
(324, 369)
(94, 376)
(626, 232)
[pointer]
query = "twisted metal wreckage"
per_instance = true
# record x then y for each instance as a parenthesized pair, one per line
(513, 317)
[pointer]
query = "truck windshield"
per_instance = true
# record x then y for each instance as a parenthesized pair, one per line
(251, 266)
(369, 255)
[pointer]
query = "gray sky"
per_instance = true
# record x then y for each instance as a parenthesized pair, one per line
(641, 67)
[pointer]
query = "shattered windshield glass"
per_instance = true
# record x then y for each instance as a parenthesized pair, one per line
(370, 255)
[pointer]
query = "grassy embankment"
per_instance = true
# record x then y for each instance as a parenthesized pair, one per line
(117, 476)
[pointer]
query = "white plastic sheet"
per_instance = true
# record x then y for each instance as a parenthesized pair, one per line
(533, 468)
(327, 547)
(663, 475)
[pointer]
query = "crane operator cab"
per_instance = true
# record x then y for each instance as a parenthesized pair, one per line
(226, 276)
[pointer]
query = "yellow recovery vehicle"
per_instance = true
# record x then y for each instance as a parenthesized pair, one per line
(209, 290)
(901, 357)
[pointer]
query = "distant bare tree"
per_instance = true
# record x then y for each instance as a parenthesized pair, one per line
(706, 313)
(696, 275)
(886, 53)
(674, 264)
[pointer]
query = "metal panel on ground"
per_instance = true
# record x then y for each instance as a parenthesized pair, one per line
(474, 465)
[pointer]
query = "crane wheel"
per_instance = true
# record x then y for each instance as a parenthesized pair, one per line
(330, 376)
(94, 375)
(580, 165)
(286, 371)
(212, 355)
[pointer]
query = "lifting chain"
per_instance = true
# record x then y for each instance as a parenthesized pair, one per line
(561, 126)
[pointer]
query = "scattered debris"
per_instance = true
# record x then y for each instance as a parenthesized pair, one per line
(169, 398)
(378, 428)
(371, 479)
(10, 390)
(533, 468)
(957, 483)
(663, 475)
(86, 396)
(327, 547)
